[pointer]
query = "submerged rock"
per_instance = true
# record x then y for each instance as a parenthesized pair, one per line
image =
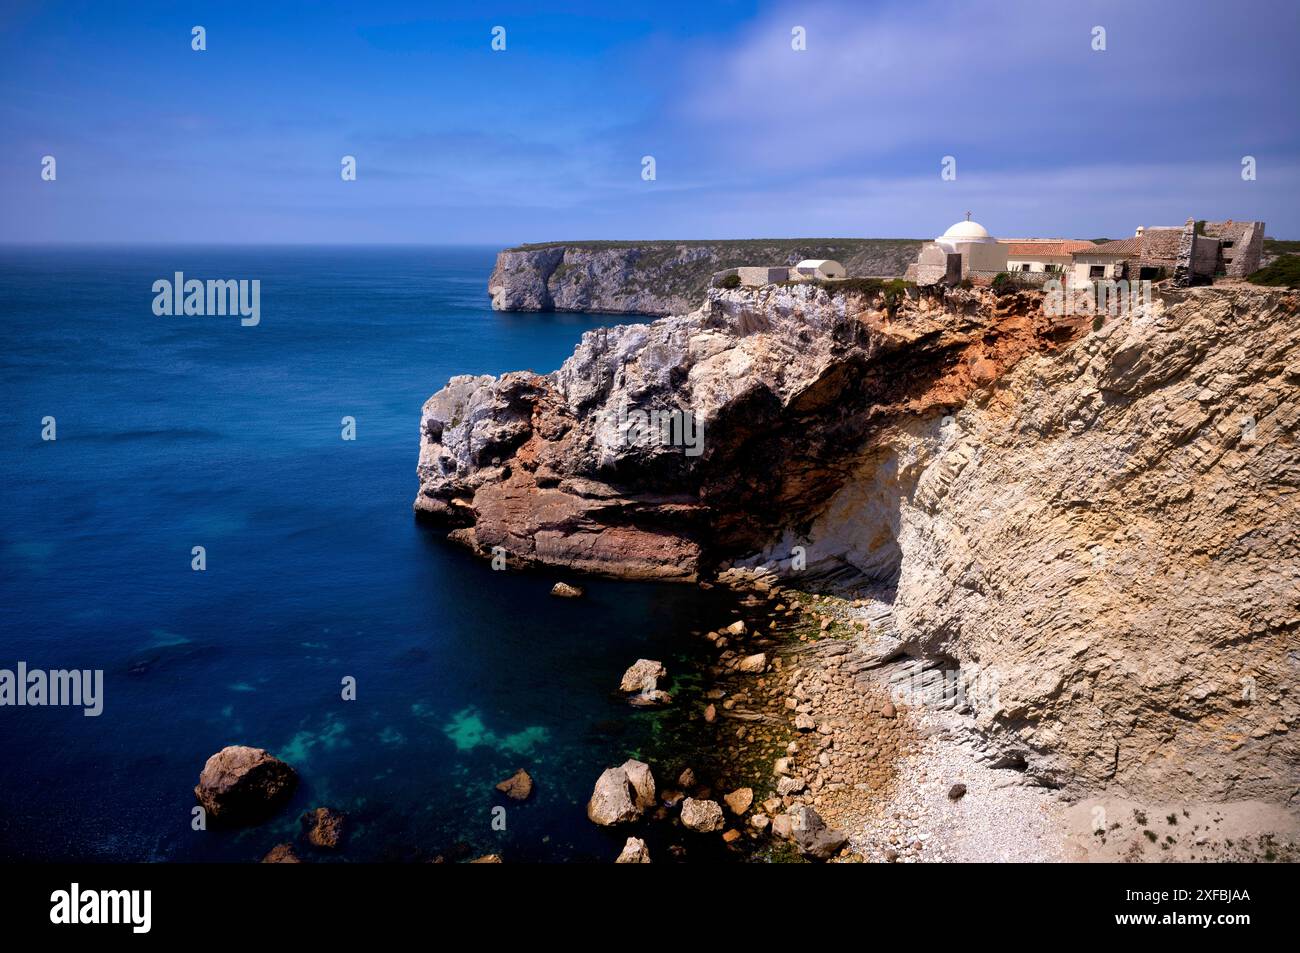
(650, 699)
(324, 827)
(635, 851)
(517, 787)
(566, 591)
(281, 854)
(622, 794)
(243, 785)
(671, 798)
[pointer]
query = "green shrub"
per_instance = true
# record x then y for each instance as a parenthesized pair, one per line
(1283, 273)
(1005, 283)
(1278, 246)
(729, 281)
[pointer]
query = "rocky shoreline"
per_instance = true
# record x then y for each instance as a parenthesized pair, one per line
(806, 737)
(824, 742)
(993, 562)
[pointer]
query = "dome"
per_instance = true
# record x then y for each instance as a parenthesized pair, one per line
(967, 231)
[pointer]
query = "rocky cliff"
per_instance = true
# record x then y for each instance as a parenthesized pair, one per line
(1102, 522)
(662, 277)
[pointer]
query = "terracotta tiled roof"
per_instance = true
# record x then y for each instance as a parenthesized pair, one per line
(1124, 248)
(1059, 249)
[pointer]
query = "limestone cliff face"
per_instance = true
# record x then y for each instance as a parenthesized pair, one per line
(1101, 523)
(1117, 534)
(1110, 538)
(661, 278)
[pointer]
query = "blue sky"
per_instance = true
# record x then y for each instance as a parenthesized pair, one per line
(457, 143)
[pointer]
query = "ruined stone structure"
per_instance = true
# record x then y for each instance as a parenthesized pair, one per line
(1241, 245)
(1189, 254)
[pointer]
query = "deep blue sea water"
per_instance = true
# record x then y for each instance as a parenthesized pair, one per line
(175, 432)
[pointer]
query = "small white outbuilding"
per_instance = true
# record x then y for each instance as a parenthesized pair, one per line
(819, 268)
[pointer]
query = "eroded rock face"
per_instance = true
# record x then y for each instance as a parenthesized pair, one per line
(1096, 532)
(766, 400)
(243, 785)
(1105, 551)
(1115, 538)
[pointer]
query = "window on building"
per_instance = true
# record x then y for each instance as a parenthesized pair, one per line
(1227, 244)
(1025, 266)
(1096, 271)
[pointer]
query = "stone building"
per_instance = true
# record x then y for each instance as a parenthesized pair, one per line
(1192, 253)
(965, 250)
(1241, 245)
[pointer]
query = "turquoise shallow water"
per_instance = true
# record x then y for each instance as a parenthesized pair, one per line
(182, 431)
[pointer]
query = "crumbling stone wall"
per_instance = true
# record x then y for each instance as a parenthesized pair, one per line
(1243, 255)
(1183, 263)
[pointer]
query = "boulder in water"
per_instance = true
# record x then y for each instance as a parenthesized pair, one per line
(243, 785)
(622, 794)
